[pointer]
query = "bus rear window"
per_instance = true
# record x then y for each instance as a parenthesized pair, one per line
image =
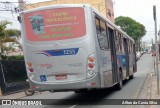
(55, 24)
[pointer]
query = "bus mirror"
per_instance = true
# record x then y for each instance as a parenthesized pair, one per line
(19, 19)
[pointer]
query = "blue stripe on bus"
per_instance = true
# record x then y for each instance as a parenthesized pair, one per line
(59, 52)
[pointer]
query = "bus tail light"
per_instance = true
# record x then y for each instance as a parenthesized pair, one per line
(91, 66)
(29, 64)
(91, 59)
(30, 68)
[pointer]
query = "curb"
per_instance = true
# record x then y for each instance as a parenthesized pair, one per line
(13, 96)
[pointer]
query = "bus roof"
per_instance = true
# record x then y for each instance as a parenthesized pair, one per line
(55, 6)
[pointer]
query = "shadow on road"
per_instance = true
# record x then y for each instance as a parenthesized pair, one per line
(92, 97)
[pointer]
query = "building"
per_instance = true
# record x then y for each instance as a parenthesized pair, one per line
(104, 6)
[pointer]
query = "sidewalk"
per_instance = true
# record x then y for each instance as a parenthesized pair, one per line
(149, 89)
(14, 96)
(154, 92)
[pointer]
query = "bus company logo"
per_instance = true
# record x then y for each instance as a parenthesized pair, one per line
(21, 102)
(75, 65)
(45, 65)
(6, 102)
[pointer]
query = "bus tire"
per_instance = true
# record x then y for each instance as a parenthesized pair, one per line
(132, 76)
(120, 83)
(29, 92)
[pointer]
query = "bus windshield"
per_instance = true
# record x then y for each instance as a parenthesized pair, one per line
(55, 24)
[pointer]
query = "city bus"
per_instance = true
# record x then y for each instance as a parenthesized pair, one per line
(73, 47)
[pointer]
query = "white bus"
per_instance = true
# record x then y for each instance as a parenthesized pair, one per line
(72, 47)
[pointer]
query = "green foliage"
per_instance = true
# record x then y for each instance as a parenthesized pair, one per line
(18, 57)
(12, 32)
(3, 26)
(131, 27)
(5, 36)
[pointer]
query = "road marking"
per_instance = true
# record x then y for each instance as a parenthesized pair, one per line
(73, 106)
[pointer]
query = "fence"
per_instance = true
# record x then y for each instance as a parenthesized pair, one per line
(12, 76)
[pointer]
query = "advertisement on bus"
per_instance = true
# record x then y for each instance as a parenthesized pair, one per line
(55, 24)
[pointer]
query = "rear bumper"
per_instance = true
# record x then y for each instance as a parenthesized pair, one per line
(93, 82)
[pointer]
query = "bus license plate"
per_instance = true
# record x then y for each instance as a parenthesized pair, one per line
(61, 77)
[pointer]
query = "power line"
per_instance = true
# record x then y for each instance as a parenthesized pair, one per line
(10, 2)
(5, 10)
(9, 6)
(8, 18)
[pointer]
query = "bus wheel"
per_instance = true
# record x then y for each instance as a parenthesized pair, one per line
(132, 76)
(29, 92)
(120, 83)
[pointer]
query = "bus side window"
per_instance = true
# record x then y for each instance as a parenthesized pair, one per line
(129, 47)
(117, 40)
(102, 34)
(97, 26)
(122, 43)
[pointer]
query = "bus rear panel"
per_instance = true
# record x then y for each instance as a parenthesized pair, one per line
(59, 52)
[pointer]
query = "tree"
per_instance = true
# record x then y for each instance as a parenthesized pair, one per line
(134, 29)
(14, 34)
(3, 25)
(5, 35)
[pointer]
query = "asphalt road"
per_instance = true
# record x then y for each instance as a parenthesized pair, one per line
(131, 90)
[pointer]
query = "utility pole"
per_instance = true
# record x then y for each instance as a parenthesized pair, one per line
(157, 46)
(152, 47)
(144, 46)
(141, 45)
(21, 5)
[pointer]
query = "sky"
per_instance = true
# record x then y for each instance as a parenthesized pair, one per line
(139, 10)
(142, 12)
